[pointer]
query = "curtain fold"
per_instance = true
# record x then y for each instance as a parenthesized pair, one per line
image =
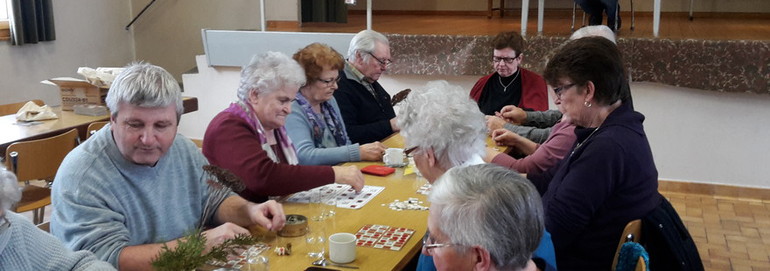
(31, 21)
(333, 11)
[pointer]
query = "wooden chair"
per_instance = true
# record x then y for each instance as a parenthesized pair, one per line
(95, 126)
(38, 160)
(502, 8)
(8, 109)
(631, 233)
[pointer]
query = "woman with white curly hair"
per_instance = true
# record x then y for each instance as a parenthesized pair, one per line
(25, 247)
(249, 137)
(443, 129)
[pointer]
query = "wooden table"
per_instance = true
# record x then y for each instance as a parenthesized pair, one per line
(11, 131)
(397, 187)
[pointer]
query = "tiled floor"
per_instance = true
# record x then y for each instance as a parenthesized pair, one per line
(731, 233)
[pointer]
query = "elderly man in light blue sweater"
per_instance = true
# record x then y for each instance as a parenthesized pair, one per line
(137, 185)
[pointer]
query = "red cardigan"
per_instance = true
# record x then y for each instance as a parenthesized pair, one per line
(534, 92)
(232, 143)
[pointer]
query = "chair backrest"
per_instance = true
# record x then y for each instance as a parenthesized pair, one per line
(95, 126)
(631, 233)
(8, 109)
(40, 159)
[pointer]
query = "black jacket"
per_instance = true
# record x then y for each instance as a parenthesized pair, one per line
(668, 242)
(367, 118)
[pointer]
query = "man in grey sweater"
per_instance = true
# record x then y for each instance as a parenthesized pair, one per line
(137, 185)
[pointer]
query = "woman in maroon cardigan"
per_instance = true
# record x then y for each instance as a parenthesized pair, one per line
(509, 84)
(249, 138)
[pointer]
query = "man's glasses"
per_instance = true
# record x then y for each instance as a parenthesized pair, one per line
(385, 63)
(560, 90)
(428, 243)
(329, 82)
(507, 60)
(410, 150)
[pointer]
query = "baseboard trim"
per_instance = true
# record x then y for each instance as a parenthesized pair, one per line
(516, 12)
(721, 190)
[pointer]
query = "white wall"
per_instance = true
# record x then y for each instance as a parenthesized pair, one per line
(88, 33)
(696, 135)
(168, 34)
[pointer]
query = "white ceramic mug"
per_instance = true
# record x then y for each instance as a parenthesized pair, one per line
(394, 157)
(342, 247)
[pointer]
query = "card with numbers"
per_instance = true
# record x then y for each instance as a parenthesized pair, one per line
(381, 236)
(345, 195)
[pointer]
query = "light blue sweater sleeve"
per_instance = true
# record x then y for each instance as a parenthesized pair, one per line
(300, 131)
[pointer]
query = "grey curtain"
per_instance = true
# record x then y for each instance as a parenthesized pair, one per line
(334, 11)
(31, 21)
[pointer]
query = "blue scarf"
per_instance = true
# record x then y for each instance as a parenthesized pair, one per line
(330, 121)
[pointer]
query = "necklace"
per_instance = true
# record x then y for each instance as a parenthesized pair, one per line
(505, 87)
(584, 140)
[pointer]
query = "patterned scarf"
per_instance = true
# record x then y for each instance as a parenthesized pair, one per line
(245, 111)
(330, 120)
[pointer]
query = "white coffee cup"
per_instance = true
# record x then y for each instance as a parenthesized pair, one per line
(394, 157)
(342, 247)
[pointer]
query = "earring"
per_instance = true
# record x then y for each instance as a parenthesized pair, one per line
(587, 104)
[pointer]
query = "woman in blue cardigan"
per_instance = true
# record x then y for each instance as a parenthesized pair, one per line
(315, 124)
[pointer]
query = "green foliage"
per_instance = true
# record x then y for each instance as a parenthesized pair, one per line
(189, 253)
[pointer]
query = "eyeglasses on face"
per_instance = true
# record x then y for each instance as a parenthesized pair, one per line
(560, 90)
(329, 82)
(428, 243)
(507, 60)
(385, 62)
(410, 150)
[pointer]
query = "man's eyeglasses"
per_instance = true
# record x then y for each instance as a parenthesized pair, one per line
(329, 82)
(385, 62)
(560, 90)
(5, 225)
(507, 60)
(428, 243)
(410, 150)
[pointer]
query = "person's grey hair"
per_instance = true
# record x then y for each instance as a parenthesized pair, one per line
(144, 85)
(443, 117)
(594, 30)
(365, 41)
(268, 72)
(10, 192)
(479, 204)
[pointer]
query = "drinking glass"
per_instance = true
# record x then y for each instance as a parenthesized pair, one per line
(316, 239)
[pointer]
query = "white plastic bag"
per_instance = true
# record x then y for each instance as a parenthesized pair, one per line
(31, 112)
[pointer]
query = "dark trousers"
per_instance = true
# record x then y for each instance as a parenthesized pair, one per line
(596, 9)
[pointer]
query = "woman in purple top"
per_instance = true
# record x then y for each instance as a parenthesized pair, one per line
(609, 178)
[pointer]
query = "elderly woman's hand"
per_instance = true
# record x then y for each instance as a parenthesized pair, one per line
(372, 151)
(494, 123)
(504, 137)
(513, 114)
(350, 175)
